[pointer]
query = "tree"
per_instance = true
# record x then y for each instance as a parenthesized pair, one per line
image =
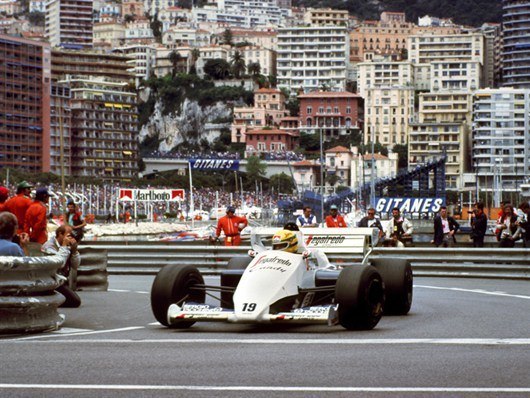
(293, 106)
(36, 18)
(282, 182)
(174, 58)
(254, 68)
(238, 64)
(156, 27)
(217, 69)
(310, 142)
(378, 148)
(227, 37)
(129, 18)
(332, 179)
(255, 169)
(403, 155)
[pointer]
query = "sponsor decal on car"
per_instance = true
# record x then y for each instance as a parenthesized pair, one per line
(271, 263)
(316, 241)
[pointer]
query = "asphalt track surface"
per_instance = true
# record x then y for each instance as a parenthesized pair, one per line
(462, 338)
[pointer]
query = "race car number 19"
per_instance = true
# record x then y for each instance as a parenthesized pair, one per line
(249, 307)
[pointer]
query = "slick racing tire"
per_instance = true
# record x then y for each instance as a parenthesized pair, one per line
(397, 276)
(231, 279)
(172, 285)
(360, 296)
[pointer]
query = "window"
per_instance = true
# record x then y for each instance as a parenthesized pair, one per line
(309, 110)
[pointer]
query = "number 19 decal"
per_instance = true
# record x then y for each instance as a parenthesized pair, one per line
(249, 307)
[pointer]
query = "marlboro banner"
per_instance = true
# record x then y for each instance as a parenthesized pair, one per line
(151, 195)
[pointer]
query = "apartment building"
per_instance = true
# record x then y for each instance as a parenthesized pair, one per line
(326, 17)
(388, 112)
(174, 16)
(361, 166)
(338, 162)
(268, 111)
(141, 59)
(69, 23)
(260, 38)
(270, 140)
(447, 62)
(24, 104)
(312, 58)
(155, 7)
(133, 8)
(333, 113)
(381, 71)
(492, 69)
(516, 48)
(501, 136)
(103, 119)
(109, 34)
(178, 36)
(443, 128)
(264, 57)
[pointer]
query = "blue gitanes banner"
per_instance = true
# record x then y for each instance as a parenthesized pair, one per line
(409, 205)
(214, 164)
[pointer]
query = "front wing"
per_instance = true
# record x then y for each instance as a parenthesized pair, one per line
(324, 315)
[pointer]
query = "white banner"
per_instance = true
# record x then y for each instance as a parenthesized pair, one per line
(151, 195)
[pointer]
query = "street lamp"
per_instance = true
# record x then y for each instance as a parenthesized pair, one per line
(321, 178)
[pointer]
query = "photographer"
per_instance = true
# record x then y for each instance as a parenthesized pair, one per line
(11, 244)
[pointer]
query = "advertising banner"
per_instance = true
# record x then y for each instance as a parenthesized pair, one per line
(151, 195)
(214, 164)
(409, 205)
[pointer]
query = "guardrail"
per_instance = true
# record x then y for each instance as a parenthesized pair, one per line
(149, 257)
(28, 302)
(92, 274)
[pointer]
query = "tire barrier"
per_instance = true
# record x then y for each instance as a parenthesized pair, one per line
(149, 257)
(92, 274)
(28, 301)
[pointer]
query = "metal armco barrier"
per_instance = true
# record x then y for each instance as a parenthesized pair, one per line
(28, 302)
(149, 257)
(92, 274)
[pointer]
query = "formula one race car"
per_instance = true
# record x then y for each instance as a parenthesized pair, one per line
(283, 286)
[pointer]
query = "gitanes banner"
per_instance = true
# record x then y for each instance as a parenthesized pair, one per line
(409, 205)
(147, 195)
(214, 164)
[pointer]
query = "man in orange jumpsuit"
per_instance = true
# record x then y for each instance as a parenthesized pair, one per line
(36, 222)
(231, 226)
(335, 220)
(18, 205)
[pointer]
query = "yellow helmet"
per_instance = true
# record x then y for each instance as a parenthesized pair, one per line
(285, 240)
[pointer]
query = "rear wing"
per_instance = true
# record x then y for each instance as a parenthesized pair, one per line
(327, 240)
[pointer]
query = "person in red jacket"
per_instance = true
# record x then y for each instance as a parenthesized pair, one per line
(335, 220)
(231, 225)
(36, 222)
(4, 194)
(18, 205)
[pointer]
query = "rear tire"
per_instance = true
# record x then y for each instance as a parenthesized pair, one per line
(397, 276)
(360, 296)
(231, 279)
(172, 285)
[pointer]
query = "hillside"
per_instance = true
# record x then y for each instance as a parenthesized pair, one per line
(469, 12)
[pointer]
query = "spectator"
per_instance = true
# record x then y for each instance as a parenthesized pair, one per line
(479, 225)
(524, 222)
(75, 219)
(508, 230)
(36, 222)
(445, 228)
(398, 230)
(306, 219)
(64, 238)
(335, 220)
(232, 226)
(370, 221)
(8, 233)
(4, 194)
(19, 204)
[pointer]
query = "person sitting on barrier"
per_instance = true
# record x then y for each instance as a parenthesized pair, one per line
(64, 238)
(11, 244)
(307, 219)
(398, 230)
(523, 221)
(335, 220)
(370, 221)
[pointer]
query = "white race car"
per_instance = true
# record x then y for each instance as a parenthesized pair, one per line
(280, 287)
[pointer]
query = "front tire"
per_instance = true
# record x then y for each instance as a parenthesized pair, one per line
(397, 276)
(172, 285)
(360, 295)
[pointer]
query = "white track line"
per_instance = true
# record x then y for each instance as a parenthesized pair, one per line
(478, 291)
(55, 334)
(433, 341)
(268, 388)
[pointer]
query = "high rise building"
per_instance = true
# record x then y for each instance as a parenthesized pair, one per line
(501, 137)
(516, 47)
(313, 58)
(69, 23)
(24, 104)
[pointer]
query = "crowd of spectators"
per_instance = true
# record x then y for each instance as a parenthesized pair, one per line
(194, 155)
